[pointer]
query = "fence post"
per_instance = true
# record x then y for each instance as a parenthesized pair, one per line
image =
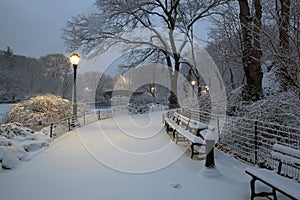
(83, 118)
(199, 116)
(255, 142)
(99, 116)
(51, 130)
(218, 128)
(69, 124)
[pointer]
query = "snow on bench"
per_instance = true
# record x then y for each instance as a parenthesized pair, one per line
(288, 158)
(197, 125)
(180, 126)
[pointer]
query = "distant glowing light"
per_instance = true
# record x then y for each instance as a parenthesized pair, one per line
(152, 89)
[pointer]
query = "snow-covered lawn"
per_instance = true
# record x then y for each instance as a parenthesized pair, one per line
(93, 162)
(4, 108)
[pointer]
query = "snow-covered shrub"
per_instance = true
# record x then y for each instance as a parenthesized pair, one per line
(11, 130)
(82, 108)
(279, 107)
(8, 158)
(4, 141)
(138, 108)
(203, 103)
(40, 110)
(17, 143)
(235, 101)
(270, 83)
(282, 108)
(33, 146)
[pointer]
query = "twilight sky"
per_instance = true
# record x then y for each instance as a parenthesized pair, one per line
(33, 27)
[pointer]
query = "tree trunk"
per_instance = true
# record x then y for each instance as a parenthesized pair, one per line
(285, 69)
(199, 89)
(231, 79)
(173, 100)
(251, 48)
(284, 20)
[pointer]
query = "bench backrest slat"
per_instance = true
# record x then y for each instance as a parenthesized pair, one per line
(176, 117)
(184, 121)
(286, 158)
(289, 160)
(287, 150)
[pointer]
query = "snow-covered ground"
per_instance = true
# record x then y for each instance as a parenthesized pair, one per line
(4, 108)
(18, 143)
(126, 157)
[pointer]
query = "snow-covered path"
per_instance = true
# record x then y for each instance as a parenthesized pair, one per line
(83, 165)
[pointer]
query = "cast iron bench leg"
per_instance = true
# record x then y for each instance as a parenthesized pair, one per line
(192, 148)
(252, 186)
(274, 193)
(174, 134)
(262, 194)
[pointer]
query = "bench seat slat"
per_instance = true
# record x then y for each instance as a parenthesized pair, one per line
(193, 138)
(171, 123)
(180, 126)
(197, 125)
(282, 184)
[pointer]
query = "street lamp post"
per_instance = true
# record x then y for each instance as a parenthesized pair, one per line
(75, 59)
(153, 91)
(193, 85)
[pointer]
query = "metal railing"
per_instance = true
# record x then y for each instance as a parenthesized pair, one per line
(250, 140)
(67, 124)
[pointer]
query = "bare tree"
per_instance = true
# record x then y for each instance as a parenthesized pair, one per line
(88, 82)
(116, 16)
(32, 75)
(58, 68)
(225, 45)
(281, 40)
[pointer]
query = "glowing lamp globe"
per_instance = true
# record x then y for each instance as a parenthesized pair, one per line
(75, 59)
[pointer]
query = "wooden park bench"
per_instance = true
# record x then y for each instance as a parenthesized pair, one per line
(179, 125)
(284, 180)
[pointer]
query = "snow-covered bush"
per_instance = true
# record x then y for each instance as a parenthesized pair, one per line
(282, 108)
(235, 101)
(278, 107)
(138, 108)
(17, 143)
(40, 110)
(203, 103)
(83, 108)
